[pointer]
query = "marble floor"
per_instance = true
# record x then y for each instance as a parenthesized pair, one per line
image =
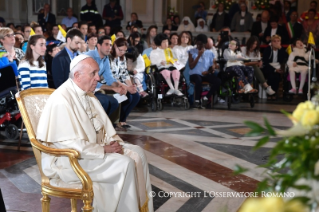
(191, 155)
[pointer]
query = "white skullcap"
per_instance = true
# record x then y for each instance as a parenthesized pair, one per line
(77, 60)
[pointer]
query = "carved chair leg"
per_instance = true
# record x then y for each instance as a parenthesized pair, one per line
(73, 205)
(45, 203)
(87, 206)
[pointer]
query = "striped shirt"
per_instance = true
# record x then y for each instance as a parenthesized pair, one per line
(32, 76)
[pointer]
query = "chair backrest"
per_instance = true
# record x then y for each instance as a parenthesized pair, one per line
(31, 103)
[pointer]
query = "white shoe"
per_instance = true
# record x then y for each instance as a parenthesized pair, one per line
(220, 100)
(270, 91)
(247, 88)
(170, 92)
(178, 92)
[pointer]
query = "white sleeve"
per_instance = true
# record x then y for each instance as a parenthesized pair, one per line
(291, 59)
(227, 55)
(140, 65)
(155, 58)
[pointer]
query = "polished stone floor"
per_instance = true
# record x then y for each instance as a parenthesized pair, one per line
(191, 151)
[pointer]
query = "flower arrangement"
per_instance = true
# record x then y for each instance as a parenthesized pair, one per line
(171, 13)
(293, 164)
(260, 5)
(226, 3)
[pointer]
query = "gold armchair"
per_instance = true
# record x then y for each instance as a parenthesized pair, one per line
(31, 103)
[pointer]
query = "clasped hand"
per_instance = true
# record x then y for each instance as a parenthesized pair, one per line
(113, 147)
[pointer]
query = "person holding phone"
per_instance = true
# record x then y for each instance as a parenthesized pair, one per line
(7, 39)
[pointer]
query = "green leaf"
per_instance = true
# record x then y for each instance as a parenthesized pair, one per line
(261, 142)
(239, 170)
(269, 127)
(254, 126)
(285, 113)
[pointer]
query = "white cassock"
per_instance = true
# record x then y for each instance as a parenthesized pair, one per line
(75, 119)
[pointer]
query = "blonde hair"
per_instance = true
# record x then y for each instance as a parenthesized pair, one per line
(4, 31)
(275, 37)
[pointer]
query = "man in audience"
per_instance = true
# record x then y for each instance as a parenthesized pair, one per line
(26, 34)
(275, 29)
(55, 31)
(287, 11)
(294, 29)
(304, 15)
(167, 32)
(134, 21)
(89, 12)
(274, 59)
(83, 26)
(61, 62)
(46, 17)
(37, 30)
(75, 25)
(113, 14)
(259, 27)
(107, 29)
(242, 20)
(92, 28)
(69, 19)
(234, 8)
(101, 32)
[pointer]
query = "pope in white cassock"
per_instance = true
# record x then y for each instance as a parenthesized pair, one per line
(73, 118)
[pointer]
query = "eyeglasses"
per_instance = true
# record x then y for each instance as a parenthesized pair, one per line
(9, 35)
(120, 50)
(28, 31)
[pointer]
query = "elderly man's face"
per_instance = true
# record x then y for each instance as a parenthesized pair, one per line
(88, 77)
(69, 12)
(265, 17)
(209, 43)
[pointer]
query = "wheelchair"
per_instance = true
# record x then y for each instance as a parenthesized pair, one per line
(10, 117)
(157, 88)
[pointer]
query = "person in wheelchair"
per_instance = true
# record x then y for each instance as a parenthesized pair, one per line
(274, 57)
(235, 64)
(162, 57)
(298, 63)
(202, 67)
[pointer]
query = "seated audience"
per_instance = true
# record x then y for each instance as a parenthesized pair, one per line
(46, 17)
(150, 35)
(167, 32)
(287, 11)
(252, 51)
(180, 51)
(7, 40)
(169, 25)
(235, 64)
(54, 34)
(120, 34)
(148, 51)
(201, 26)
(92, 29)
(136, 66)
(162, 57)
(69, 20)
(107, 29)
(275, 29)
(32, 70)
(220, 19)
(304, 16)
(298, 63)
(136, 41)
(186, 25)
(201, 12)
(11, 26)
(201, 65)
(134, 21)
(294, 29)
(83, 26)
(120, 73)
(311, 25)
(52, 50)
(173, 40)
(101, 32)
(242, 20)
(83, 47)
(234, 8)
(19, 40)
(259, 27)
(274, 58)
(91, 42)
(75, 25)
(37, 30)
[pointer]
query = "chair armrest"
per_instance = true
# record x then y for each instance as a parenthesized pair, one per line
(73, 157)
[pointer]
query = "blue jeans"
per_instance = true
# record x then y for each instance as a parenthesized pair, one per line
(109, 103)
(128, 105)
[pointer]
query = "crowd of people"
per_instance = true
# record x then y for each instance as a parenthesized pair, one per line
(44, 61)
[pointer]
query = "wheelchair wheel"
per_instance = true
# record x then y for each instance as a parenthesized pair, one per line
(153, 105)
(186, 104)
(159, 105)
(252, 101)
(12, 131)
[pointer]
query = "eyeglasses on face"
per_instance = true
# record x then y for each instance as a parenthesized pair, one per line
(9, 35)
(122, 50)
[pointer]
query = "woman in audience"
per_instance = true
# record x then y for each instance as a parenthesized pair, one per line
(252, 51)
(52, 50)
(150, 35)
(32, 70)
(91, 42)
(235, 64)
(180, 52)
(19, 40)
(136, 66)
(7, 39)
(162, 57)
(169, 25)
(176, 21)
(311, 25)
(135, 40)
(186, 25)
(201, 26)
(220, 19)
(173, 40)
(242, 20)
(119, 70)
(120, 34)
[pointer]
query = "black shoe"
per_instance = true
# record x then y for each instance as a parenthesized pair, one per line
(197, 104)
(126, 126)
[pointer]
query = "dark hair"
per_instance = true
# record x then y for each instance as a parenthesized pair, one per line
(295, 41)
(273, 19)
(132, 53)
(202, 38)
(148, 38)
(312, 10)
(314, 2)
(25, 27)
(159, 38)
(75, 23)
(9, 24)
(176, 16)
(29, 53)
(180, 38)
(135, 15)
(101, 39)
(250, 43)
(90, 25)
(36, 26)
(91, 35)
(120, 32)
(72, 33)
(118, 43)
(83, 23)
(138, 46)
(288, 2)
(173, 34)
(50, 48)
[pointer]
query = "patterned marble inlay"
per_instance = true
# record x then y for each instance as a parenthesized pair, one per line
(241, 131)
(157, 124)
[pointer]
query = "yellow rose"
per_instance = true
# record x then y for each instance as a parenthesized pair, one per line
(301, 108)
(266, 204)
(310, 118)
(295, 206)
(250, 205)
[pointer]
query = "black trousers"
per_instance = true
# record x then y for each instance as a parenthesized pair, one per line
(213, 81)
(273, 78)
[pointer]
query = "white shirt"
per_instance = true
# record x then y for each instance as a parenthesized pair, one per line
(273, 32)
(275, 56)
(263, 27)
(251, 55)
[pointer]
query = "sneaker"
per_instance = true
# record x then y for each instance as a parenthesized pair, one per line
(247, 88)
(178, 92)
(220, 100)
(143, 94)
(270, 91)
(170, 92)
(204, 101)
(197, 104)
(300, 91)
(292, 91)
